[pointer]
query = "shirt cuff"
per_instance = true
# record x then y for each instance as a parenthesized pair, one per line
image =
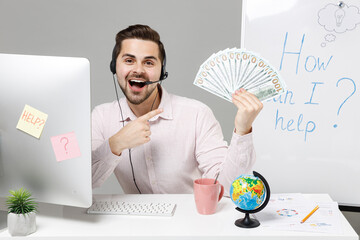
(106, 154)
(237, 139)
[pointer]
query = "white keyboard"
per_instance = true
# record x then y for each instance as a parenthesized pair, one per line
(127, 208)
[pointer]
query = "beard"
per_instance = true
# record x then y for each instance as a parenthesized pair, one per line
(136, 98)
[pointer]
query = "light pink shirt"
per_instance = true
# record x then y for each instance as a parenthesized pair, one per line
(186, 143)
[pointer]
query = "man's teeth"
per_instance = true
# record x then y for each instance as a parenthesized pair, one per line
(137, 81)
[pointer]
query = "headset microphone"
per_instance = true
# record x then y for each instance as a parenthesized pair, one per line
(149, 82)
(163, 78)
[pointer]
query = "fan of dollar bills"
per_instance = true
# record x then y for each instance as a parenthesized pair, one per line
(229, 70)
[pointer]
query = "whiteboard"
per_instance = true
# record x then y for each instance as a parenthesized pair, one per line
(308, 140)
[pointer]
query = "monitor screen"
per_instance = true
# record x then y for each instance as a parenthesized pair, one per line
(45, 135)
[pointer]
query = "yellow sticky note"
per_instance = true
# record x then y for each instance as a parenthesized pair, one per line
(32, 121)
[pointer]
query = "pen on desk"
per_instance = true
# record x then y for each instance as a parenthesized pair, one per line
(311, 213)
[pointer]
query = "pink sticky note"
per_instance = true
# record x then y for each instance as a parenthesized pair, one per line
(65, 146)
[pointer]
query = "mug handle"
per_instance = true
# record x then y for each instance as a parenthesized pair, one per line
(221, 192)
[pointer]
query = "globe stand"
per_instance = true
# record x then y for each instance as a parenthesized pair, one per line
(246, 222)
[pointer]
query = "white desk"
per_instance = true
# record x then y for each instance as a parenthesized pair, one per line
(58, 222)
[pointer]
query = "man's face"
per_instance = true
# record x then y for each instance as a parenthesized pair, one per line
(138, 62)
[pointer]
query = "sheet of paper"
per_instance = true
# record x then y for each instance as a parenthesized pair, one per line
(325, 219)
(65, 146)
(288, 199)
(285, 212)
(284, 209)
(32, 121)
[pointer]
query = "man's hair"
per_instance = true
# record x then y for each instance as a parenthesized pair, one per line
(142, 32)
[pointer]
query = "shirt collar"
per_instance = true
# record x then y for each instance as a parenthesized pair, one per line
(165, 104)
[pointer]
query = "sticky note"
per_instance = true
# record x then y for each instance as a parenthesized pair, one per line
(65, 146)
(32, 121)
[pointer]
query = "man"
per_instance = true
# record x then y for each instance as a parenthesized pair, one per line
(173, 139)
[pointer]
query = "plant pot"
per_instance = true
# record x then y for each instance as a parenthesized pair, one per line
(21, 224)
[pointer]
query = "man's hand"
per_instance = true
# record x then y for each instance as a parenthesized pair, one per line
(249, 107)
(133, 134)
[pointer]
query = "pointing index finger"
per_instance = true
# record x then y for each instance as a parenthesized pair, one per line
(151, 114)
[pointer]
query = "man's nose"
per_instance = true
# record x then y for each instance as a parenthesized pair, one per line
(138, 68)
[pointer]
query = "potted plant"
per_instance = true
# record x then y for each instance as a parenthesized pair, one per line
(21, 213)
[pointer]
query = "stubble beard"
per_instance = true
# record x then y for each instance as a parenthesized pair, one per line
(134, 97)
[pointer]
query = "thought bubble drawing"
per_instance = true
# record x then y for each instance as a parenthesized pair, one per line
(339, 18)
(330, 37)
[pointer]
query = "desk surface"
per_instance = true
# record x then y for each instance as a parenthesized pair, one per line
(56, 222)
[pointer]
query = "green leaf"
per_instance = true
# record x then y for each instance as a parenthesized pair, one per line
(20, 202)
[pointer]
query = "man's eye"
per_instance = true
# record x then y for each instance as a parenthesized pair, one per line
(149, 63)
(128, 60)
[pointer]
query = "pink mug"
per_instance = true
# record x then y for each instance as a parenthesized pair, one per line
(207, 195)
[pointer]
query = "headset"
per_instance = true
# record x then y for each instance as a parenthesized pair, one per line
(164, 74)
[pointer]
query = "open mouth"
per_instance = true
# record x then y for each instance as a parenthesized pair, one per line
(136, 84)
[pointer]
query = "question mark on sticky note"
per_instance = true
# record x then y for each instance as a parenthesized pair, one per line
(352, 93)
(42, 122)
(66, 142)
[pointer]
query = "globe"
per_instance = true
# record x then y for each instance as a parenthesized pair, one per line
(250, 193)
(247, 192)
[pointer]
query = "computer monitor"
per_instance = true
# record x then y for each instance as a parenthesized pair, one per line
(60, 88)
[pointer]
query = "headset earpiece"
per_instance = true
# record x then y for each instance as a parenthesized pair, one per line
(113, 62)
(164, 74)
